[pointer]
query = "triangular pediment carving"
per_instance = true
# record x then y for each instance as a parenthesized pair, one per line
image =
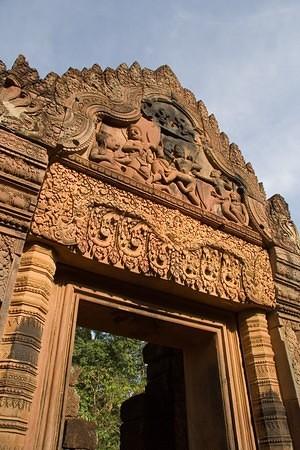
(142, 127)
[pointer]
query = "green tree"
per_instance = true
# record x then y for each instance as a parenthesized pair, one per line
(112, 370)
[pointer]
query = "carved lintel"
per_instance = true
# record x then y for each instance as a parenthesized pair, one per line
(115, 227)
(268, 410)
(21, 343)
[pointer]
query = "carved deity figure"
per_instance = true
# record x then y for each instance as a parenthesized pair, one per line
(181, 174)
(140, 155)
(163, 149)
(106, 151)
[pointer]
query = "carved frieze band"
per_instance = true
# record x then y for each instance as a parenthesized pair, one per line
(21, 343)
(286, 269)
(268, 410)
(115, 227)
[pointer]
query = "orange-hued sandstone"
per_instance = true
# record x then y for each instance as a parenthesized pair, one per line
(124, 208)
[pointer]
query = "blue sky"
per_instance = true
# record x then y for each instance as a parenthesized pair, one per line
(242, 58)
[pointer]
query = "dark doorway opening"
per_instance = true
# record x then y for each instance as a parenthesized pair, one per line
(179, 404)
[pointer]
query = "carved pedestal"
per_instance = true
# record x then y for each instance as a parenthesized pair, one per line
(21, 345)
(267, 407)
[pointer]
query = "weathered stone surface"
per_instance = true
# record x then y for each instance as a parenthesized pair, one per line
(79, 435)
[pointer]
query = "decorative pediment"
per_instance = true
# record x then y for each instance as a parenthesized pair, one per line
(141, 127)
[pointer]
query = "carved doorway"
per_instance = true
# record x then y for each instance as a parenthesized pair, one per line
(217, 413)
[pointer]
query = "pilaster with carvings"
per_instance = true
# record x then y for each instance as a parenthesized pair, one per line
(21, 344)
(22, 169)
(285, 321)
(269, 415)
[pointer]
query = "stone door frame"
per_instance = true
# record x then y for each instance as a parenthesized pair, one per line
(55, 373)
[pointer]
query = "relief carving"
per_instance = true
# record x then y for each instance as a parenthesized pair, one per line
(7, 245)
(286, 233)
(268, 409)
(291, 337)
(163, 149)
(70, 113)
(18, 167)
(23, 147)
(18, 104)
(14, 198)
(115, 227)
(21, 343)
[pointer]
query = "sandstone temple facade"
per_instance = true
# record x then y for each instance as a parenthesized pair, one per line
(124, 208)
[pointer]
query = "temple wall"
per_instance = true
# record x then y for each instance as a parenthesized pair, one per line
(123, 173)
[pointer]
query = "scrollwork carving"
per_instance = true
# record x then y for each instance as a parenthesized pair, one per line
(115, 227)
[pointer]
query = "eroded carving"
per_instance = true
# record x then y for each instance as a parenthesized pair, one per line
(7, 247)
(18, 103)
(13, 197)
(285, 231)
(116, 227)
(291, 337)
(18, 167)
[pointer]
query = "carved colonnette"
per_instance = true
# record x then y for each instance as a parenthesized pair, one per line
(22, 168)
(269, 415)
(21, 345)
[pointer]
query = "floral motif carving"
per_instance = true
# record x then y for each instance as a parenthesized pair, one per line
(21, 146)
(116, 227)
